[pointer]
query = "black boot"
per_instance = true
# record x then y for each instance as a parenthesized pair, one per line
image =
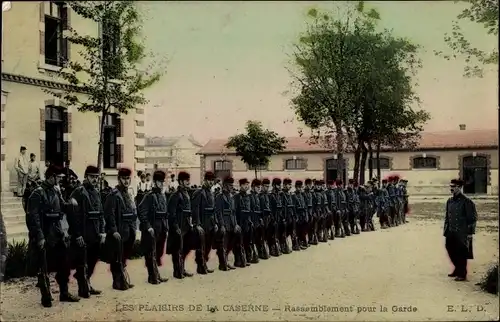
(315, 239)
(273, 250)
(176, 262)
(285, 248)
(260, 251)
(44, 287)
(93, 291)
(65, 295)
(248, 255)
(295, 244)
(119, 281)
(338, 233)
(221, 255)
(83, 288)
(238, 258)
(347, 230)
(255, 256)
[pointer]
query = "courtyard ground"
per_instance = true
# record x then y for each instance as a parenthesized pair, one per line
(397, 274)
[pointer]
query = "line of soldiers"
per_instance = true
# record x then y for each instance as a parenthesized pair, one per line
(254, 223)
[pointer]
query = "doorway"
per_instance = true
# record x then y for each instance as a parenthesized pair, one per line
(332, 170)
(475, 174)
(54, 141)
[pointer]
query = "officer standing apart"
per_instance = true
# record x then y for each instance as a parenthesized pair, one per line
(152, 212)
(459, 227)
(86, 226)
(120, 214)
(51, 243)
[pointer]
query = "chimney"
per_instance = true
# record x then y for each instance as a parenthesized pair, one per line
(462, 127)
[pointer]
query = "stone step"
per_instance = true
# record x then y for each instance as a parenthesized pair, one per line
(10, 198)
(13, 212)
(17, 233)
(14, 220)
(12, 205)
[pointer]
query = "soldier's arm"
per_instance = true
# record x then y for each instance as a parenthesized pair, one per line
(75, 217)
(109, 213)
(237, 208)
(33, 216)
(143, 211)
(446, 220)
(172, 211)
(471, 216)
(196, 206)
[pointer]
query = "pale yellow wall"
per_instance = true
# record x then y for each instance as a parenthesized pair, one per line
(423, 181)
(21, 45)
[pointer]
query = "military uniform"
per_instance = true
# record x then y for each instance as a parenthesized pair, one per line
(152, 212)
(258, 220)
(353, 207)
(308, 199)
(87, 221)
(383, 205)
(44, 219)
(317, 215)
(183, 236)
(203, 204)
(332, 205)
(393, 202)
(406, 207)
(301, 211)
(269, 229)
(120, 215)
(278, 220)
(326, 228)
(343, 207)
(289, 220)
(243, 218)
(226, 217)
(459, 224)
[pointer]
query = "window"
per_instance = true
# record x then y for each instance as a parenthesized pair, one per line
(110, 147)
(295, 164)
(110, 47)
(56, 46)
(385, 163)
(259, 168)
(222, 169)
(424, 163)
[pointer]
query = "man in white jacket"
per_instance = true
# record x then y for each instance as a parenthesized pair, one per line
(21, 166)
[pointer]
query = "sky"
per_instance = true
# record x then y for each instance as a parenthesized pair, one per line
(227, 63)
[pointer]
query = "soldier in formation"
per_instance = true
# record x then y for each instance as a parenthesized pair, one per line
(262, 219)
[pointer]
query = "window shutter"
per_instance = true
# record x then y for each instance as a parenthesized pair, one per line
(118, 124)
(64, 17)
(64, 51)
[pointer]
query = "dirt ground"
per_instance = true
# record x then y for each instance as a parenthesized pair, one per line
(395, 274)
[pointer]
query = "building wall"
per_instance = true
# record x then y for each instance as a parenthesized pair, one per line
(23, 61)
(180, 156)
(421, 181)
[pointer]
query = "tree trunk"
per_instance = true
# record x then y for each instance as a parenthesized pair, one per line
(255, 172)
(340, 152)
(357, 155)
(379, 174)
(101, 140)
(362, 166)
(370, 161)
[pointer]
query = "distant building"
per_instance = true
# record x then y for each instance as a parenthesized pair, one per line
(174, 154)
(440, 156)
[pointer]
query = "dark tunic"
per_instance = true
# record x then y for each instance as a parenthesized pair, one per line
(391, 191)
(300, 206)
(460, 218)
(152, 211)
(256, 214)
(243, 210)
(179, 210)
(341, 199)
(265, 206)
(120, 214)
(87, 221)
(325, 207)
(288, 207)
(308, 199)
(276, 202)
(45, 215)
(332, 200)
(203, 205)
(317, 204)
(225, 211)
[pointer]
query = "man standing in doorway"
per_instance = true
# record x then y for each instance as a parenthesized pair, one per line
(33, 170)
(21, 165)
(459, 226)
